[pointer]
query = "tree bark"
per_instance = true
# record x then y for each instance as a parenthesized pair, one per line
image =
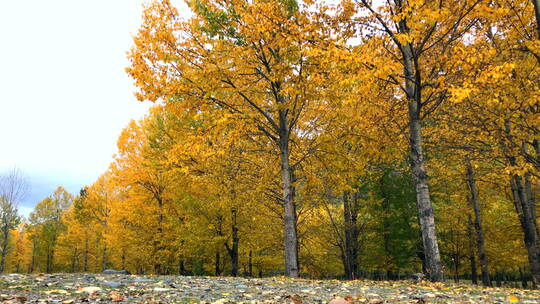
(86, 254)
(350, 215)
(423, 200)
(472, 259)
(523, 279)
(478, 224)
(289, 209)
(424, 206)
(250, 263)
(74, 260)
(104, 260)
(528, 226)
(181, 267)
(5, 240)
(33, 261)
(386, 227)
(536, 4)
(217, 270)
(531, 201)
(233, 250)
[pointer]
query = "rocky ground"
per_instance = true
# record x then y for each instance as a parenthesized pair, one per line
(84, 288)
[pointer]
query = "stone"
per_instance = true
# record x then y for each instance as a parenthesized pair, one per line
(417, 277)
(111, 284)
(112, 271)
(339, 301)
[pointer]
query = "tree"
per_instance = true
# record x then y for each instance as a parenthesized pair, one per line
(251, 62)
(13, 189)
(418, 37)
(48, 225)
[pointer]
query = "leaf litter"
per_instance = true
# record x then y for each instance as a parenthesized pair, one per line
(121, 288)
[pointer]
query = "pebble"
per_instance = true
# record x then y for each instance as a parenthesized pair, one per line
(183, 289)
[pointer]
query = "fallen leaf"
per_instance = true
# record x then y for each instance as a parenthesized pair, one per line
(296, 299)
(512, 299)
(116, 297)
(60, 291)
(89, 289)
(339, 301)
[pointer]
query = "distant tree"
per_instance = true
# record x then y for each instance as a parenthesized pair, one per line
(13, 189)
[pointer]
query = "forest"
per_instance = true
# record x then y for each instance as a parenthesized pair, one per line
(346, 139)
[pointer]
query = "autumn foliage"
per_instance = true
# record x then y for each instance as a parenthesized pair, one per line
(303, 138)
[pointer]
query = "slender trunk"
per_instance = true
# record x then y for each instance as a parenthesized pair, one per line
(233, 250)
(386, 226)
(472, 259)
(350, 210)
(74, 260)
(289, 209)
(482, 257)
(250, 263)
(217, 265)
(32, 262)
(536, 4)
(158, 246)
(293, 195)
(50, 257)
(86, 254)
(104, 259)
(5, 240)
(181, 267)
(124, 259)
(531, 201)
(524, 283)
(423, 200)
(456, 258)
(527, 224)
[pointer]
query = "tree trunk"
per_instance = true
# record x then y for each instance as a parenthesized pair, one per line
(523, 278)
(86, 254)
(5, 240)
(233, 251)
(74, 260)
(386, 227)
(158, 246)
(474, 274)
(528, 226)
(536, 4)
(531, 201)
(350, 214)
(478, 224)
(104, 260)
(456, 260)
(217, 264)
(289, 209)
(33, 261)
(50, 257)
(181, 267)
(250, 263)
(423, 200)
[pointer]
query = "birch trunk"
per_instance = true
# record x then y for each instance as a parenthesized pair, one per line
(289, 209)
(478, 224)
(423, 200)
(5, 240)
(536, 4)
(472, 259)
(527, 224)
(233, 250)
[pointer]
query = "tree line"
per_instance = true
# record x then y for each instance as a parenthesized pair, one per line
(304, 138)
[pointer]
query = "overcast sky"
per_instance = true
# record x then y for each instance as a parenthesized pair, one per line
(64, 95)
